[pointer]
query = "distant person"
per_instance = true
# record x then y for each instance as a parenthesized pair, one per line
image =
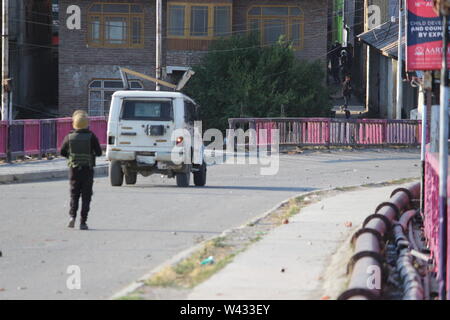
(80, 147)
(347, 90)
(348, 114)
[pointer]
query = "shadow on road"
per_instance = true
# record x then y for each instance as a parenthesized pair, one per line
(254, 188)
(157, 231)
(370, 159)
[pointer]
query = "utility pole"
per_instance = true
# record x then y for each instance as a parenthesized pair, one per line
(344, 30)
(400, 62)
(5, 61)
(158, 41)
(426, 110)
(443, 161)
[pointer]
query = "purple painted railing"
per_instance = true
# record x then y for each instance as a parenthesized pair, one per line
(39, 137)
(431, 210)
(333, 132)
(3, 138)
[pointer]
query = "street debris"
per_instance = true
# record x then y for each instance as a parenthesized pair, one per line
(348, 224)
(209, 260)
(285, 221)
(283, 270)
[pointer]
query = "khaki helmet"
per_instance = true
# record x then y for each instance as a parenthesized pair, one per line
(80, 120)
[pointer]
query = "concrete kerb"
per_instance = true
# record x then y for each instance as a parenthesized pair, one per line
(100, 170)
(186, 253)
(136, 285)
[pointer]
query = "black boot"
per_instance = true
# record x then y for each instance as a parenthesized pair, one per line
(83, 226)
(71, 223)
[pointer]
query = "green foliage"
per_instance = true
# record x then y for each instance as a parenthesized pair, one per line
(240, 78)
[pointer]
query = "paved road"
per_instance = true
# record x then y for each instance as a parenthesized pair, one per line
(136, 228)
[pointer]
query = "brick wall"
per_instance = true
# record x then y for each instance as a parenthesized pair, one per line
(80, 64)
(315, 30)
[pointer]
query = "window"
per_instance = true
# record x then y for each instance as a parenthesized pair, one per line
(222, 21)
(147, 110)
(190, 112)
(275, 22)
(198, 21)
(101, 91)
(116, 25)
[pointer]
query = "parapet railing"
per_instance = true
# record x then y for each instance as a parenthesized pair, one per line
(40, 137)
(431, 212)
(333, 132)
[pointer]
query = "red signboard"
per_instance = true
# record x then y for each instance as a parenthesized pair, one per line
(423, 36)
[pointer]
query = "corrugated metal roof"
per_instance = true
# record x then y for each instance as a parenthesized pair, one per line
(384, 38)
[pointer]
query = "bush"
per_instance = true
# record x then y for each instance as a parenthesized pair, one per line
(240, 78)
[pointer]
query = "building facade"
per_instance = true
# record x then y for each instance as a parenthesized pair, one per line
(32, 63)
(98, 37)
(381, 57)
(373, 27)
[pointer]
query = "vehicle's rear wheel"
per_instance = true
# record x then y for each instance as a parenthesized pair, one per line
(131, 178)
(183, 179)
(115, 173)
(200, 176)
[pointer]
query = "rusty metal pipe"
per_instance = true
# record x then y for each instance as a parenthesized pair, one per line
(364, 284)
(412, 283)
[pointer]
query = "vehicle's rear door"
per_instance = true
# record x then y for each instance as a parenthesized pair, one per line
(146, 122)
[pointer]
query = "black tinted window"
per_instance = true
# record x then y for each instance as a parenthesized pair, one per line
(190, 111)
(147, 110)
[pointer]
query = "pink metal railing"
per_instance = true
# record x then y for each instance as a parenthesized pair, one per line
(333, 132)
(38, 137)
(28, 137)
(32, 141)
(99, 126)
(3, 138)
(63, 127)
(431, 210)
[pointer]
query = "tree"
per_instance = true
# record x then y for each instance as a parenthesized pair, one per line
(240, 78)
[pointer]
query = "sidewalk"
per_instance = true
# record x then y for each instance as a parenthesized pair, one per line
(294, 261)
(28, 171)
